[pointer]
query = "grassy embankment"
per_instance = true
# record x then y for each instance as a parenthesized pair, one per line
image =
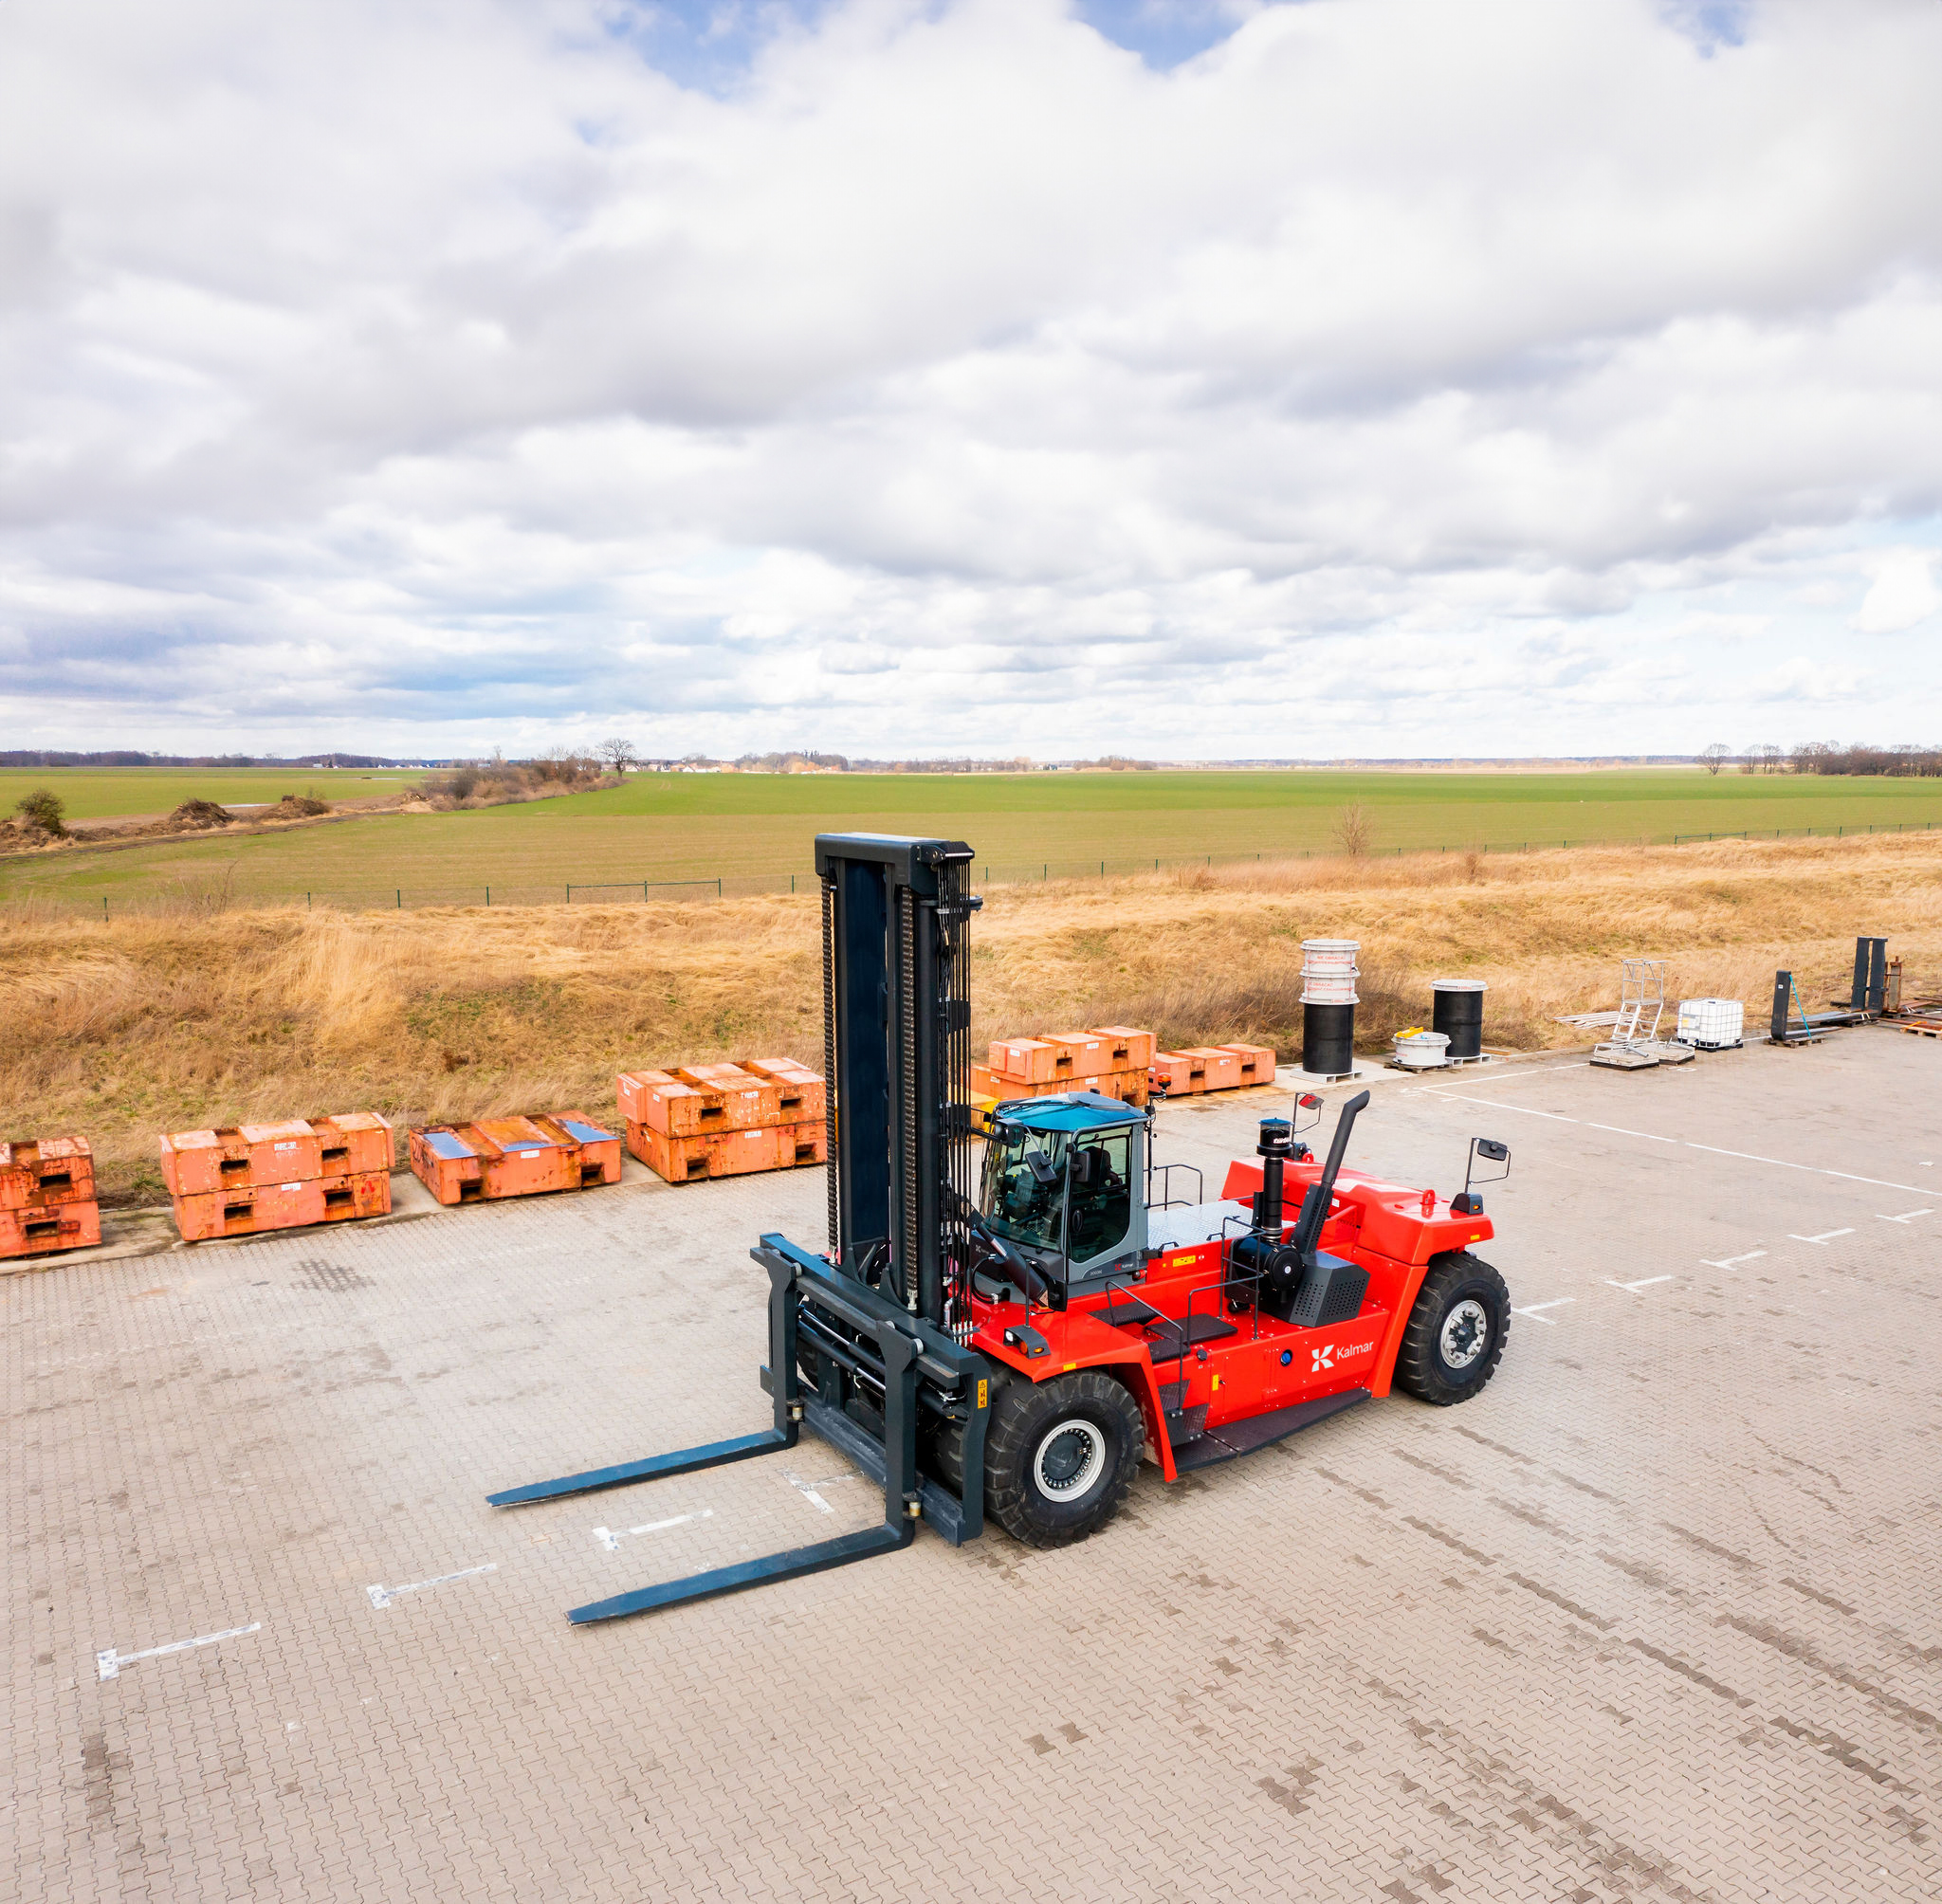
(754, 829)
(122, 1030)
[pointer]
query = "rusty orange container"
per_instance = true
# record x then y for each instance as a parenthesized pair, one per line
(514, 1157)
(694, 1102)
(1221, 1068)
(198, 1161)
(1130, 1047)
(38, 1173)
(803, 1094)
(1080, 1053)
(250, 1209)
(1028, 1060)
(714, 1153)
(34, 1229)
(1257, 1063)
(1178, 1074)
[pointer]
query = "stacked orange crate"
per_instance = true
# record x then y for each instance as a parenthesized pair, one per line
(513, 1156)
(257, 1177)
(1111, 1062)
(724, 1120)
(48, 1197)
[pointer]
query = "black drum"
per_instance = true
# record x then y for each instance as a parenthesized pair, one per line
(1328, 1040)
(1459, 1015)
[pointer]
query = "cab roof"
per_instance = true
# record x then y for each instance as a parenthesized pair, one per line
(1068, 1111)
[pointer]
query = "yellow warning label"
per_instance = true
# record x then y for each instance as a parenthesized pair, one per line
(1180, 1262)
(984, 1395)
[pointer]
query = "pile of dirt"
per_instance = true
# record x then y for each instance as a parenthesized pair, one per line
(297, 807)
(195, 816)
(23, 836)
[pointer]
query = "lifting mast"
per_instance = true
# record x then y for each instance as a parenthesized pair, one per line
(884, 1312)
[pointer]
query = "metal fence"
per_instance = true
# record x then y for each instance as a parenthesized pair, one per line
(221, 895)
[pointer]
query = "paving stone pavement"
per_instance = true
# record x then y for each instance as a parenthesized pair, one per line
(1658, 1616)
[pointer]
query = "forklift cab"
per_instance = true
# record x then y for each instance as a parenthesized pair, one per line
(1064, 1187)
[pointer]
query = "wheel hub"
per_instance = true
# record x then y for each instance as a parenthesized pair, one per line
(1069, 1459)
(1465, 1331)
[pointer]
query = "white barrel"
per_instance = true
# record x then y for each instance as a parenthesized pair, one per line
(1328, 971)
(1422, 1051)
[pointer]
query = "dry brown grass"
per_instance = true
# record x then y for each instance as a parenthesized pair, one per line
(124, 1030)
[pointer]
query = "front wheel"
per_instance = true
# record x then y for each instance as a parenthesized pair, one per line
(1060, 1455)
(1455, 1334)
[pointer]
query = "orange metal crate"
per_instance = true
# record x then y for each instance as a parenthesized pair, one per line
(1028, 1060)
(1130, 1047)
(1177, 1074)
(249, 1209)
(1080, 1053)
(31, 1231)
(803, 1094)
(1257, 1063)
(724, 1153)
(514, 1157)
(36, 1173)
(692, 1102)
(1222, 1067)
(1128, 1087)
(195, 1162)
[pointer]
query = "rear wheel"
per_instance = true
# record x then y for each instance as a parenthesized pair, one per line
(1059, 1456)
(1455, 1334)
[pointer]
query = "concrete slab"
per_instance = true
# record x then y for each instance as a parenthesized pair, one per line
(1658, 1616)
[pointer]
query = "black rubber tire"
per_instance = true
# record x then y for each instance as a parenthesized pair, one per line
(1455, 1277)
(1024, 1418)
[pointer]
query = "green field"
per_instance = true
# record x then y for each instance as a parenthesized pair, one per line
(753, 831)
(114, 792)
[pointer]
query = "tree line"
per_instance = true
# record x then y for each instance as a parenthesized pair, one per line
(1904, 761)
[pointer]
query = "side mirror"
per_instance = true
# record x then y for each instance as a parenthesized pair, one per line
(1467, 1203)
(1082, 1168)
(1041, 1166)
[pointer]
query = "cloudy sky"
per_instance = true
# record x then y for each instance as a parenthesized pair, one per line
(1196, 378)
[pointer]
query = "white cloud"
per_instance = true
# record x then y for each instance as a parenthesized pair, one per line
(1902, 594)
(951, 379)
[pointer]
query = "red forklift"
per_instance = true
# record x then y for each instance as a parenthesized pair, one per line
(1013, 1340)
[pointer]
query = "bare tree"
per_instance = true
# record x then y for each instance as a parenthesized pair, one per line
(1355, 829)
(618, 753)
(1713, 758)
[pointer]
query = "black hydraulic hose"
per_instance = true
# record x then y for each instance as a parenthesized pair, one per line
(1314, 1208)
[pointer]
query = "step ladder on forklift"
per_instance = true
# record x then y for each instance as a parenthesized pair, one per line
(1635, 1044)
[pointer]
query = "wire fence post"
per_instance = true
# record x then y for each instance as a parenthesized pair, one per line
(400, 891)
(488, 895)
(104, 907)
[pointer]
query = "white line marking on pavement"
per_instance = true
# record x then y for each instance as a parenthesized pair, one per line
(1624, 1132)
(1497, 1104)
(1825, 1236)
(1846, 1176)
(1908, 1218)
(108, 1664)
(1549, 1322)
(1513, 1077)
(1645, 1283)
(808, 1488)
(382, 1597)
(1727, 1262)
(610, 1538)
